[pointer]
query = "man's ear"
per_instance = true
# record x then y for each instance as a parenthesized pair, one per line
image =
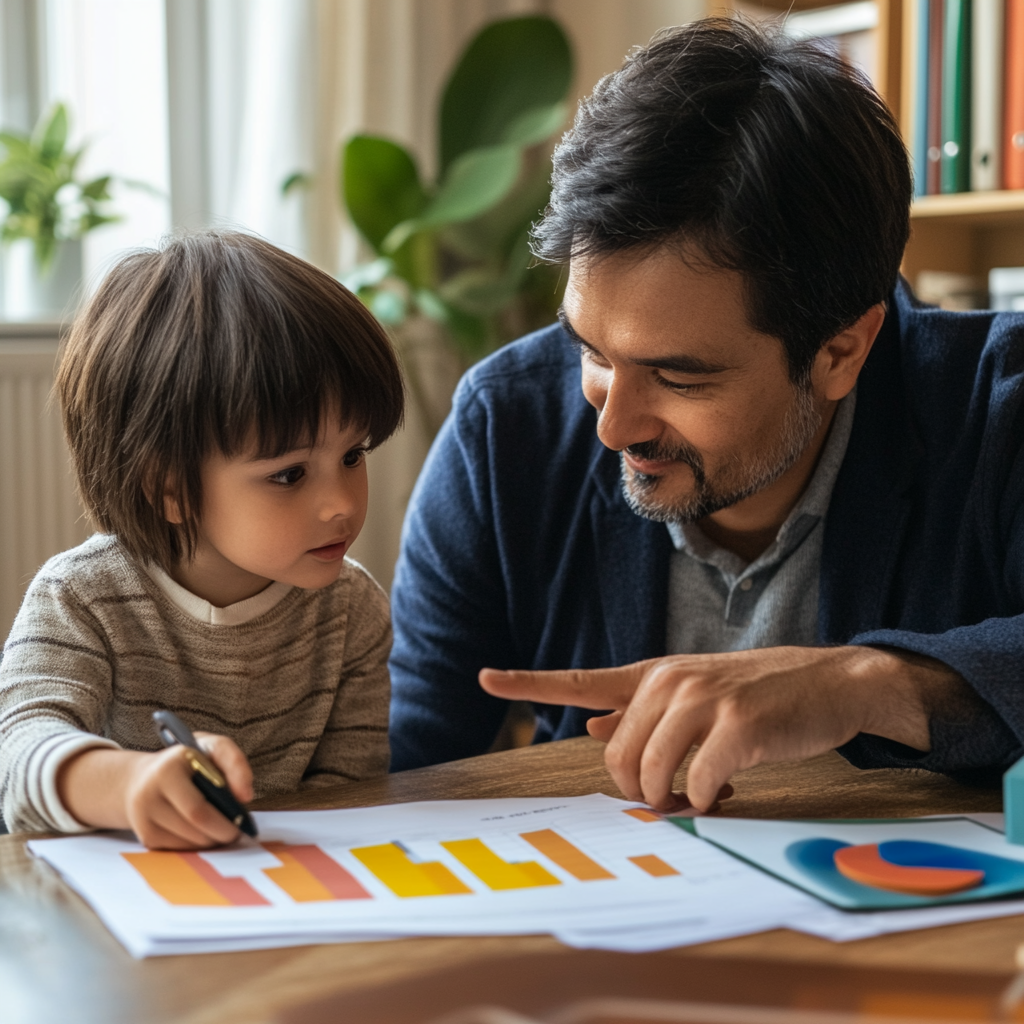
(839, 361)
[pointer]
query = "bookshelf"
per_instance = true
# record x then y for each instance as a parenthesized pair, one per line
(961, 233)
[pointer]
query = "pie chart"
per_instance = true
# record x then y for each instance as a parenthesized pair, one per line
(901, 872)
(868, 865)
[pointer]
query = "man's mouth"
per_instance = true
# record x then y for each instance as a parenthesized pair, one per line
(647, 467)
(332, 552)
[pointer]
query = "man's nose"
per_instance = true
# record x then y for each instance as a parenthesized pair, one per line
(624, 417)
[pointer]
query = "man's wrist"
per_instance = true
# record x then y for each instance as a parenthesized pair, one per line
(903, 690)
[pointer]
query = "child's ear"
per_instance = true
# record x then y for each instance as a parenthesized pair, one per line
(172, 510)
(169, 498)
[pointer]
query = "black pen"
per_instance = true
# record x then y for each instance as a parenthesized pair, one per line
(205, 775)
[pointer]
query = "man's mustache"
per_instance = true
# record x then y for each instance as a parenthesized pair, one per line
(682, 453)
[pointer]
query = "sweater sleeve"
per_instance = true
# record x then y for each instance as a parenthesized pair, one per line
(55, 693)
(978, 742)
(354, 744)
(449, 601)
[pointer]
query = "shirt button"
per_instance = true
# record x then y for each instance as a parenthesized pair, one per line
(746, 584)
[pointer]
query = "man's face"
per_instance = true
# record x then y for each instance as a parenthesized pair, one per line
(700, 405)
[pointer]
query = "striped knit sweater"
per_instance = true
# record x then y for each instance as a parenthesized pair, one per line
(99, 644)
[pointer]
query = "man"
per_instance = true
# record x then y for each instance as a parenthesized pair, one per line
(803, 495)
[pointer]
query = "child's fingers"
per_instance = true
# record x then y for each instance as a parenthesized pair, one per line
(163, 828)
(228, 757)
(165, 808)
(197, 817)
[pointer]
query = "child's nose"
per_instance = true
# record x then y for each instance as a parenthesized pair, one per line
(340, 501)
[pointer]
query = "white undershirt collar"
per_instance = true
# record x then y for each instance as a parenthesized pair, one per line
(233, 615)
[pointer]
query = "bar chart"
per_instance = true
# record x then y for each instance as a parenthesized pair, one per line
(306, 873)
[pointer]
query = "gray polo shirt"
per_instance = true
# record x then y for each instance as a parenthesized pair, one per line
(717, 602)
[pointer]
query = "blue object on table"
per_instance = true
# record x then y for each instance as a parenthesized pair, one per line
(1013, 803)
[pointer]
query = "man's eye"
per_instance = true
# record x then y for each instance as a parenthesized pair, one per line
(679, 386)
(354, 457)
(288, 477)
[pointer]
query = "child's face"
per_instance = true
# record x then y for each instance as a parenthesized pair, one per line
(289, 519)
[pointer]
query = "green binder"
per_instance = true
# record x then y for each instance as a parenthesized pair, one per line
(956, 97)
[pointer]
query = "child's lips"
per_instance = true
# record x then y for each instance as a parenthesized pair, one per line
(330, 552)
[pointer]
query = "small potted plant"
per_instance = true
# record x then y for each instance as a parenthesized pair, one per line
(48, 210)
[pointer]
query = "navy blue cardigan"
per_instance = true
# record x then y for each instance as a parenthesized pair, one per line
(519, 550)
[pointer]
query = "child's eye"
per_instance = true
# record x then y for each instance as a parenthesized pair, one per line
(288, 477)
(354, 457)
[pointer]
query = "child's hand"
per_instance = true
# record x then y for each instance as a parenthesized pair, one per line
(153, 794)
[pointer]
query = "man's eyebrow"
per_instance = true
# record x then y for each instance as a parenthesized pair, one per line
(674, 364)
(683, 364)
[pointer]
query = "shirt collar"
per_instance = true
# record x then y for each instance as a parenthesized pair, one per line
(232, 615)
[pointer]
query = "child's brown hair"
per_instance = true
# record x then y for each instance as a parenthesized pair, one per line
(216, 341)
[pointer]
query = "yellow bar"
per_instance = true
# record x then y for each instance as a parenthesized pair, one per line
(495, 872)
(654, 865)
(566, 856)
(391, 864)
(171, 876)
(296, 879)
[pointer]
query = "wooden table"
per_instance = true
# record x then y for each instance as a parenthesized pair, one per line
(57, 962)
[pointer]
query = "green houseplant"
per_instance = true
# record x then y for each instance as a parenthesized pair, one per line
(46, 201)
(456, 250)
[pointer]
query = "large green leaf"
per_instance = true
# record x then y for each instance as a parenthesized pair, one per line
(54, 135)
(380, 186)
(476, 181)
(511, 68)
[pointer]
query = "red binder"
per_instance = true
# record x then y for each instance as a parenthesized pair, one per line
(1013, 138)
(936, 17)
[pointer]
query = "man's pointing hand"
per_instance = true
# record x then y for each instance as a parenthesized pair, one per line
(742, 709)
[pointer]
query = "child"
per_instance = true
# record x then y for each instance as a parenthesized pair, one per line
(219, 397)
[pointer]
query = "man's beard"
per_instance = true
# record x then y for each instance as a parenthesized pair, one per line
(737, 480)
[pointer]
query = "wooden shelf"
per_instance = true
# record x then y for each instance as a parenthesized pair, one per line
(973, 208)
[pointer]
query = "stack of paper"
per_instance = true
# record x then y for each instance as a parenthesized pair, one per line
(464, 867)
(591, 870)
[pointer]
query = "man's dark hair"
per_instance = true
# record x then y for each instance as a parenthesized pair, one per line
(767, 156)
(218, 341)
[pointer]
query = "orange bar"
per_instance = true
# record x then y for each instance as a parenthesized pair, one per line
(566, 856)
(642, 815)
(186, 880)
(653, 865)
(309, 875)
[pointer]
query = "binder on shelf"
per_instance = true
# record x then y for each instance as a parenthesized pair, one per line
(933, 128)
(918, 78)
(1013, 131)
(956, 96)
(987, 46)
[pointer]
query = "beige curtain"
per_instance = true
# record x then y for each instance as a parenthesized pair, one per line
(381, 67)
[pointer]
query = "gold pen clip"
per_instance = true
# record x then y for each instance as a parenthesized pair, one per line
(199, 762)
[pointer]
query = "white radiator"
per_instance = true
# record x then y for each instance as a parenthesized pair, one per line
(39, 512)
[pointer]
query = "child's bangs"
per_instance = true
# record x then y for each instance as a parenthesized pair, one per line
(293, 350)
